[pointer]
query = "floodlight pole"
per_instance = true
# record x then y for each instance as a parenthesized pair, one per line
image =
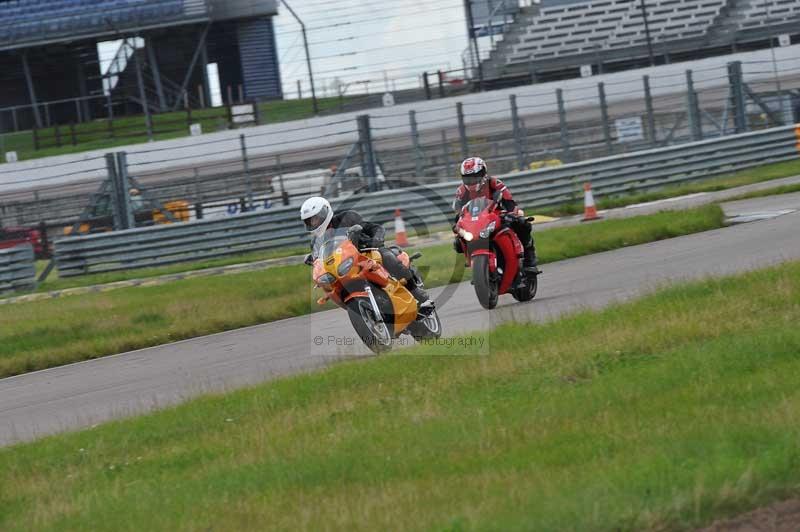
(308, 57)
(647, 33)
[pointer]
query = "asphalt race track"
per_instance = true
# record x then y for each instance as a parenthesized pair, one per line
(83, 394)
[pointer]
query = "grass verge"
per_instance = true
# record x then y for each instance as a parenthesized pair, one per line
(42, 334)
(786, 189)
(53, 282)
(659, 414)
(712, 184)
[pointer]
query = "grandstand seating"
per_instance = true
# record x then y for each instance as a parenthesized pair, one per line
(559, 29)
(25, 20)
(760, 14)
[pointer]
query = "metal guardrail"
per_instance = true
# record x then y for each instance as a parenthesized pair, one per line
(280, 228)
(17, 269)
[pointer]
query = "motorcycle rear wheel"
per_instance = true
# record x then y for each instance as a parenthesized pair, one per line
(428, 328)
(527, 292)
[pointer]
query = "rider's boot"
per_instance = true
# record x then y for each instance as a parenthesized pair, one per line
(529, 261)
(424, 301)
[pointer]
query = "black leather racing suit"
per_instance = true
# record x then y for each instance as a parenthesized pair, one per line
(372, 236)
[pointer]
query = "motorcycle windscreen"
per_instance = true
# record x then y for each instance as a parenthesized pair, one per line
(475, 207)
(325, 246)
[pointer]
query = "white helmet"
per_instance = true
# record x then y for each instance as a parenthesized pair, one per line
(316, 214)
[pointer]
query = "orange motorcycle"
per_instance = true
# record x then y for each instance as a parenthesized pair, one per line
(380, 307)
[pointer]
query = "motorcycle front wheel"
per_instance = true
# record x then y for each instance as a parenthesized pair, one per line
(486, 287)
(372, 331)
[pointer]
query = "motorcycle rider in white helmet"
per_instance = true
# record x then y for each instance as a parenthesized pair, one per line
(318, 216)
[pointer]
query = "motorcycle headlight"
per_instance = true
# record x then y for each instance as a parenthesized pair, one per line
(326, 278)
(486, 233)
(344, 267)
(466, 235)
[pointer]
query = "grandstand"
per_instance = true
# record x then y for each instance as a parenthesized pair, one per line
(554, 38)
(49, 53)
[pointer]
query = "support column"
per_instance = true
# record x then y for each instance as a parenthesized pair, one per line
(31, 90)
(151, 57)
(142, 94)
(204, 62)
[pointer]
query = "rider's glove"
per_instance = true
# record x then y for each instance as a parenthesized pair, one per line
(354, 234)
(309, 260)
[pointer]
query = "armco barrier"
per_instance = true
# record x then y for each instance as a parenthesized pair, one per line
(280, 228)
(17, 269)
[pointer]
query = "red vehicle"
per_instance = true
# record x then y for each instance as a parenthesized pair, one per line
(494, 252)
(14, 236)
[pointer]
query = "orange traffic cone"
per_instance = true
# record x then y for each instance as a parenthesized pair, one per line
(589, 208)
(400, 229)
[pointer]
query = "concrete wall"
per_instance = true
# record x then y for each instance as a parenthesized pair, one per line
(433, 115)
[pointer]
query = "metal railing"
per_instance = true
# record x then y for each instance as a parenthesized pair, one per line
(280, 227)
(17, 270)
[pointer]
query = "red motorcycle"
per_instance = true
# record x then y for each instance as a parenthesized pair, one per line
(494, 252)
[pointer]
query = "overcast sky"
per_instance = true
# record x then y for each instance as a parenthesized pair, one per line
(356, 40)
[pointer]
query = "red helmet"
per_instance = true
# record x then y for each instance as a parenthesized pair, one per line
(473, 173)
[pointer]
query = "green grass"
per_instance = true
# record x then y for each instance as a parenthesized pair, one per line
(43, 334)
(132, 129)
(786, 189)
(53, 282)
(659, 414)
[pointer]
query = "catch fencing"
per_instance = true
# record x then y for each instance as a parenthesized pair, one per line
(514, 129)
(424, 206)
(17, 269)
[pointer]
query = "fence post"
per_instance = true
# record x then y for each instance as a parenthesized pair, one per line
(562, 120)
(651, 117)
(737, 96)
(695, 120)
(441, 84)
(427, 85)
(368, 169)
(462, 130)
(419, 155)
(117, 164)
(601, 89)
(247, 176)
(72, 134)
(284, 194)
(198, 196)
(517, 132)
(448, 165)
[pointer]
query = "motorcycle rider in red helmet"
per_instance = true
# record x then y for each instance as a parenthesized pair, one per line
(477, 183)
